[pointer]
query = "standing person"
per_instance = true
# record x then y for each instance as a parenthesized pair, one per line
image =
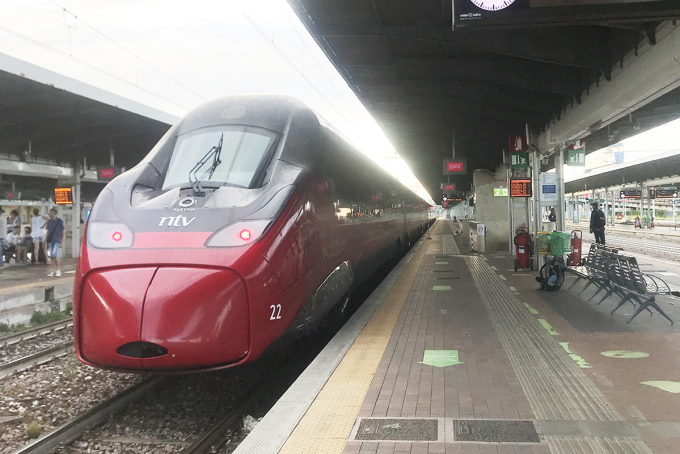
(15, 219)
(55, 232)
(552, 217)
(38, 233)
(3, 235)
(597, 223)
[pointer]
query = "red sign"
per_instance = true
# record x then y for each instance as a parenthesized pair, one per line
(454, 166)
(577, 145)
(9, 195)
(518, 143)
(449, 187)
(107, 174)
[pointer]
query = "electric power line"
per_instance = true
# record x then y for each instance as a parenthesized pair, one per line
(89, 65)
(129, 52)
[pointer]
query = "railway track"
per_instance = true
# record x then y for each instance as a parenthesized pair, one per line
(662, 251)
(138, 416)
(35, 346)
(33, 333)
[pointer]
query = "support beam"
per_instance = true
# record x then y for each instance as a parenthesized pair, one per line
(642, 80)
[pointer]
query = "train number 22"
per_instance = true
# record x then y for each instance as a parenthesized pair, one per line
(276, 312)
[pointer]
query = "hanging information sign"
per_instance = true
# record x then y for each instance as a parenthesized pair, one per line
(576, 157)
(448, 188)
(548, 187)
(666, 192)
(455, 167)
(519, 159)
(630, 193)
(520, 187)
(500, 192)
(63, 196)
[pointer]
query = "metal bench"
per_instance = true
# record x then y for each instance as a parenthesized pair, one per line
(594, 269)
(640, 287)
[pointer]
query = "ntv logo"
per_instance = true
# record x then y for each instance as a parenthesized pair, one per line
(175, 221)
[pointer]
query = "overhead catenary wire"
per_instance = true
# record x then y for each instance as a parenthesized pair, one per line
(129, 51)
(292, 65)
(89, 65)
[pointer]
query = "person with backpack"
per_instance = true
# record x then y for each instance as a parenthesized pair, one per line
(597, 222)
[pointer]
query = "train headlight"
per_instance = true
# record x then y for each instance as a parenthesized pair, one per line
(109, 235)
(238, 234)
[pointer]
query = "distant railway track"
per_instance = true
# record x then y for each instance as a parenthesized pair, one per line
(662, 251)
(35, 346)
(33, 333)
(35, 359)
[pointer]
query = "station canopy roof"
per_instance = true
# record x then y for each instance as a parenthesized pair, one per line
(64, 127)
(53, 121)
(422, 81)
(645, 170)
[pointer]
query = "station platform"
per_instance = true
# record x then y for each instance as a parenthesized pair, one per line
(458, 353)
(27, 288)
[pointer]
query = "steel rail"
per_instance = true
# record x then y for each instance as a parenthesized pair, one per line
(215, 435)
(34, 332)
(91, 418)
(34, 359)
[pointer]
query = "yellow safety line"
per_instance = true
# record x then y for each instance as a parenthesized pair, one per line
(43, 284)
(329, 420)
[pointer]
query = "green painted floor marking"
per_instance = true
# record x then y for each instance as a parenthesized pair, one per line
(441, 288)
(441, 263)
(531, 309)
(441, 358)
(628, 354)
(547, 326)
(502, 277)
(580, 361)
(494, 268)
(513, 289)
(670, 386)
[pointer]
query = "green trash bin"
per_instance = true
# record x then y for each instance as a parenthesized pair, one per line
(560, 243)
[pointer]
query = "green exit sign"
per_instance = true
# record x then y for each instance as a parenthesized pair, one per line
(500, 192)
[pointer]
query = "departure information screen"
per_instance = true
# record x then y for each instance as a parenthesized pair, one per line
(520, 187)
(63, 196)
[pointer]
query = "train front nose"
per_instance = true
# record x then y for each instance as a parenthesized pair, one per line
(164, 318)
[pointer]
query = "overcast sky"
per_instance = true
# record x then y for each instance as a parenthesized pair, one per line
(174, 55)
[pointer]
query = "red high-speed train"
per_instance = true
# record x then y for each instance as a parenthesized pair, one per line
(248, 220)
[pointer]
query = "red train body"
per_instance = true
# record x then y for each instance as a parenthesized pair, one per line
(248, 220)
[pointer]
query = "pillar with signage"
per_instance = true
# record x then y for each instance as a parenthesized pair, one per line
(518, 206)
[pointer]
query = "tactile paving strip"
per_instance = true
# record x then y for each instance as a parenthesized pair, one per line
(330, 418)
(554, 385)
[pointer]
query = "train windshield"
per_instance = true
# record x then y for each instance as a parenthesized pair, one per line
(238, 162)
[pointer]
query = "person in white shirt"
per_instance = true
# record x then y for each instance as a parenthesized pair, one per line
(14, 242)
(38, 234)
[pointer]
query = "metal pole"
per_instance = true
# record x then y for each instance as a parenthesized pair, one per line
(75, 214)
(559, 168)
(535, 170)
(511, 208)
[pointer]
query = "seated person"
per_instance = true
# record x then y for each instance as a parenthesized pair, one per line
(638, 225)
(26, 244)
(12, 245)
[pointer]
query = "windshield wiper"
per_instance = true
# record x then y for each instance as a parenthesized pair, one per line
(213, 153)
